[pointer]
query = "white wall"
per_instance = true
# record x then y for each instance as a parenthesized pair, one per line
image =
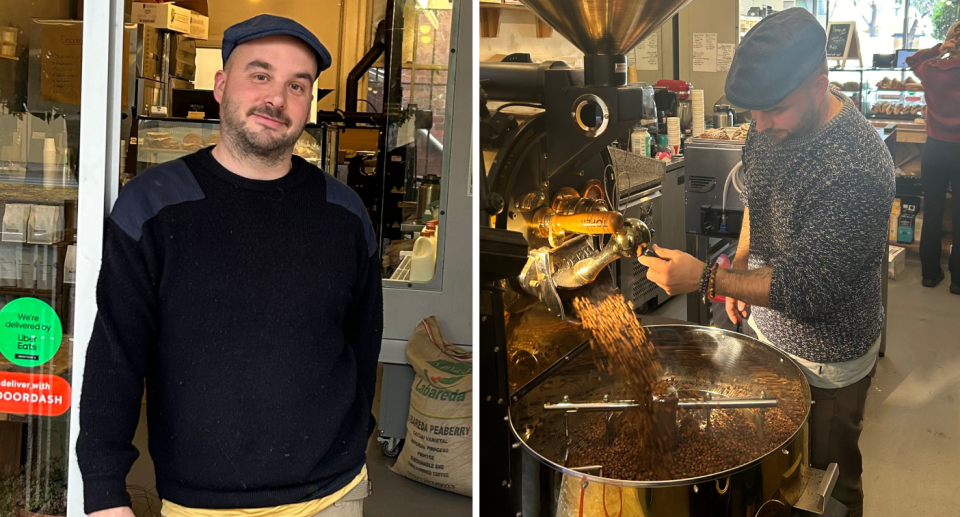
(719, 16)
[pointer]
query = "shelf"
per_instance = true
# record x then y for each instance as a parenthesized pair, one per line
(894, 117)
(837, 69)
(876, 90)
(10, 58)
(509, 7)
(26, 291)
(152, 150)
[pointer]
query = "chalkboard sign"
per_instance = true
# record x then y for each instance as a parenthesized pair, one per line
(842, 42)
(837, 39)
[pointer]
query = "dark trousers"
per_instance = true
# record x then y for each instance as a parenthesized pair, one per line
(836, 420)
(940, 167)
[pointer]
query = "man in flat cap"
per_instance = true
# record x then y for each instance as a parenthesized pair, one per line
(818, 187)
(240, 285)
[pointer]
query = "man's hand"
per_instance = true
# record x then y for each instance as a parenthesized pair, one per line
(675, 271)
(736, 310)
(948, 46)
(123, 511)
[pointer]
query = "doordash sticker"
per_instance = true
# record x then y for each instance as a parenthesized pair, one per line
(33, 394)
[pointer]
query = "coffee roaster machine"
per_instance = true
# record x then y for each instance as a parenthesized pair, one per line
(550, 226)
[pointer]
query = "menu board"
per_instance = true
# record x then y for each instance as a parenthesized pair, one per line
(837, 39)
(60, 61)
(725, 56)
(704, 52)
(646, 55)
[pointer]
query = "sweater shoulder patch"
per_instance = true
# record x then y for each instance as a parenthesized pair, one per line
(342, 195)
(150, 192)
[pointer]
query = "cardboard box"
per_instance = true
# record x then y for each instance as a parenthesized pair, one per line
(171, 17)
(894, 223)
(896, 261)
(162, 16)
(199, 26)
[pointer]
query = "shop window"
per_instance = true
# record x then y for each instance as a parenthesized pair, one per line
(40, 57)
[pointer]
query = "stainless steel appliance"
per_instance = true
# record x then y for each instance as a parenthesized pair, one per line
(429, 192)
(150, 99)
(723, 116)
(148, 52)
(709, 164)
(552, 425)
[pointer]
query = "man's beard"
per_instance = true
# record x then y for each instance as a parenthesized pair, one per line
(257, 145)
(807, 124)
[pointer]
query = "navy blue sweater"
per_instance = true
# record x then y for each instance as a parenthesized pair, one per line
(252, 312)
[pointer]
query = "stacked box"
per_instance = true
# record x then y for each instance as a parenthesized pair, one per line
(896, 261)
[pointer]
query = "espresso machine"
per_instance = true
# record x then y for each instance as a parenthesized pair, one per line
(550, 226)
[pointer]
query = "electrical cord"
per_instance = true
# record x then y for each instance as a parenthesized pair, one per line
(733, 177)
(375, 110)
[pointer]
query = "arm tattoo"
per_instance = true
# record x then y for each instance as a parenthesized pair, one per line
(751, 286)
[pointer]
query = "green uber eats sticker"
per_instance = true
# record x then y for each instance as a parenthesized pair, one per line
(30, 332)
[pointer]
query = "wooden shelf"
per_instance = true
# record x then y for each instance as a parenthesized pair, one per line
(509, 7)
(10, 58)
(152, 150)
(26, 291)
(490, 20)
(879, 90)
(946, 239)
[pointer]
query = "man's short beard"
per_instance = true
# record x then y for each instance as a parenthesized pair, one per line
(252, 145)
(807, 124)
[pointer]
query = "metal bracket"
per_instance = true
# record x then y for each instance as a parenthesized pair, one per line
(817, 492)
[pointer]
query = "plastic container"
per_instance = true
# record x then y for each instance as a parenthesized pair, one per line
(640, 141)
(424, 261)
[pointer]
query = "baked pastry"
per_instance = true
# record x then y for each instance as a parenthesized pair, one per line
(741, 132)
(193, 142)
(160, 140)
(304, 152)
(213, 139)
(851, 86)
(715, 134)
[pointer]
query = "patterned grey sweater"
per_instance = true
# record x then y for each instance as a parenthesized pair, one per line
(819, 212)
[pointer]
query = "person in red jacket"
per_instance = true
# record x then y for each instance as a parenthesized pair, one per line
(939, 70)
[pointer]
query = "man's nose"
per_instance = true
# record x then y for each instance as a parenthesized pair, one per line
(276, 96)
(763, 122)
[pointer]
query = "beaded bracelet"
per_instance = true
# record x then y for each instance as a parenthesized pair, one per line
(705, 281)
(712, 283)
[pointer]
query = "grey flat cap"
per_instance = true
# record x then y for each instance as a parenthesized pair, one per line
(774, 58)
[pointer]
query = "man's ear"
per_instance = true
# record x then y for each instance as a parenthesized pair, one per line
(219, 82)
(819, 88)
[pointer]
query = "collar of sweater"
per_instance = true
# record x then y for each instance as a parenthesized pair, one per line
(299, 171)
(818, 135)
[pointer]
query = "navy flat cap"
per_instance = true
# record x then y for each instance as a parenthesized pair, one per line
(773, 59)
(270, 25)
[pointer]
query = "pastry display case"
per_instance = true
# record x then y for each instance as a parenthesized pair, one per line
(159, 140)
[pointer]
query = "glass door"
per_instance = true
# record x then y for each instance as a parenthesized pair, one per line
(52, 208)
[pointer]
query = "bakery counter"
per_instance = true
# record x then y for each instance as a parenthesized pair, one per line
(911, 131)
